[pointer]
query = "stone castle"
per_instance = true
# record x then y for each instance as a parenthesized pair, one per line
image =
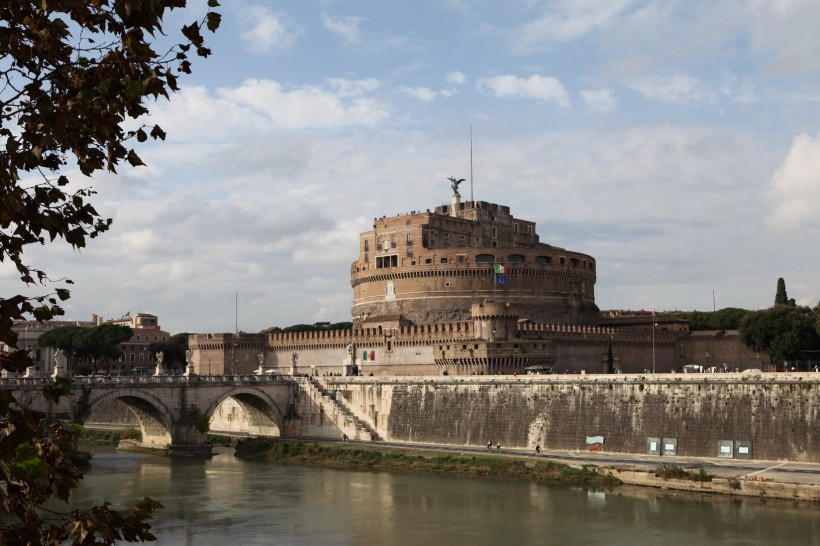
(469, 289)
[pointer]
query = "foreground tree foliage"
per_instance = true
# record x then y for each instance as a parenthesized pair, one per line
(72, 73)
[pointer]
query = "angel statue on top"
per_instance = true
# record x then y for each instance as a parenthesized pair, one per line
(454, 183)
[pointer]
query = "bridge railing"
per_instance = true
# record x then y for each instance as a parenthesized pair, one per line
(146, 380)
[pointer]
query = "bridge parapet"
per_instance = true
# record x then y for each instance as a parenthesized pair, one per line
(25, 383)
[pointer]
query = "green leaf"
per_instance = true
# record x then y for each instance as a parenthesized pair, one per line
(135, 88)
(63, 294)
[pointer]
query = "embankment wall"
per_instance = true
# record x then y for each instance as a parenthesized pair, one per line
(778, 413)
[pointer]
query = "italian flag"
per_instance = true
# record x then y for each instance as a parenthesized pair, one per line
(501, 270)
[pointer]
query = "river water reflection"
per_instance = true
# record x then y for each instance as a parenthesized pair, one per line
(226, 501)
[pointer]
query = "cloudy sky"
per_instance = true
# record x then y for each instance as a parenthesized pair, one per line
(676, 141)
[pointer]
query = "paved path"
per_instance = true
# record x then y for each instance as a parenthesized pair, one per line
(778, 471)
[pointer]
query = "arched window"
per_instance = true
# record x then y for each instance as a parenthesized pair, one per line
(543, 259)
(515, 259)
(485, 259)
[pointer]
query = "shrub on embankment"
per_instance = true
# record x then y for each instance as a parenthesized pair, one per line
(372, 457)
(104, 436)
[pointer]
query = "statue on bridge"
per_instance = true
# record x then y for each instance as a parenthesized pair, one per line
(59, 364)
(160, 370)
(261, 369)
(189, 360)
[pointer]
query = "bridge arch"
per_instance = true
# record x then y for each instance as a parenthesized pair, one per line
(155, 420)
(262, 415)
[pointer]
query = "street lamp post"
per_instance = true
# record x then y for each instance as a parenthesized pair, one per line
(654, 323)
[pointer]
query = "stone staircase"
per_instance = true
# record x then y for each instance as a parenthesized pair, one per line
(361, 430)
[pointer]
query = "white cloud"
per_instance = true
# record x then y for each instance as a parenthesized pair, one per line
(566, 20)
(353, 88)
(785, 32)
(257, 105)
(543, 88)
(677, 88)
(602, 100)
(266, 30)
(346, 27)
(456, 78)
(795, 186)
(424, 94)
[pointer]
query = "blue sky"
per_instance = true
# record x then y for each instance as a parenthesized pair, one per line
(677, 142)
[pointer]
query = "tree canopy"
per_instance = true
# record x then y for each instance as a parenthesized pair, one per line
(783, 332)
(173, 350)
(728, 318)
(73, 73)
(97, 346)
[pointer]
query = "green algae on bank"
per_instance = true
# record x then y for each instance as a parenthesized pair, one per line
(373, 457)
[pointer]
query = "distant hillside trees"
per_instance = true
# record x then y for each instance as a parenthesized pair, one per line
(318, 327)
(724, 319)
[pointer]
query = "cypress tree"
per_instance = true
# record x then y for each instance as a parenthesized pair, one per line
(781, 298)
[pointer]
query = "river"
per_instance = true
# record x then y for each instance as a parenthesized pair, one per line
(226, 501)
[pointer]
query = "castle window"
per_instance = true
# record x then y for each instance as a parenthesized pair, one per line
(428, 261)
(391, 260)
(515, 258)
(447, 285)
(573, 262)
(378, 242)
(366, 245)
(515, 227)
(366, 257)
(543, 259)
(462, 258)
(444, 260)
(485, 259)
(562, 260)
(393, 241)
(446, 234)
(409, 239)
(529, 230)
(495, 233)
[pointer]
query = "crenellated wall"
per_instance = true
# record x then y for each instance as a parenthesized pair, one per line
(778, 413)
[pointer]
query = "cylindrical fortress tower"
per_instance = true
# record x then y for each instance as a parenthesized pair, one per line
(431, 267)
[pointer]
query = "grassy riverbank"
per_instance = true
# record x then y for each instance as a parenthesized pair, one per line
(375, 457)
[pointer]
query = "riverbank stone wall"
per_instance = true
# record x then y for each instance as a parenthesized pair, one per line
(760, 416)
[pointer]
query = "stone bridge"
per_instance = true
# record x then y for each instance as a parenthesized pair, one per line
(173, 412)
